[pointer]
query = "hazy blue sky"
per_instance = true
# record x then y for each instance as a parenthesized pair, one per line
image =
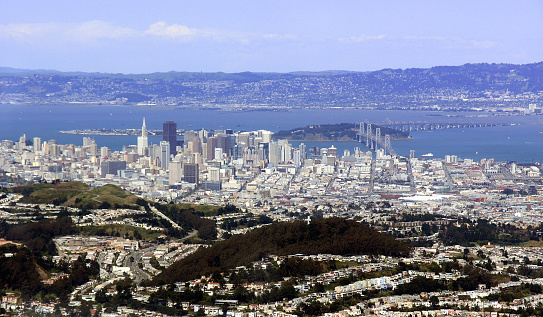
(278, 36)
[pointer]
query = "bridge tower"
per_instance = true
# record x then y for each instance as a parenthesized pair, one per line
(369, 142)
(360, 132)
(387, 144)
(377, 137)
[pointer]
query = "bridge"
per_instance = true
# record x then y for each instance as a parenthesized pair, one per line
(406, 126)
(374, 140)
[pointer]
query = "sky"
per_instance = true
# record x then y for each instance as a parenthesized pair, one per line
(135, 36)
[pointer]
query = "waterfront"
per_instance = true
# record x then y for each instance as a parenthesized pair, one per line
(522, 143)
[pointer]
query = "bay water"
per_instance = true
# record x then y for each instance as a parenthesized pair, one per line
(522, 142)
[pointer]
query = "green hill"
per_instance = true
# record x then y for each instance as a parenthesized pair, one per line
(322, 236)
(333, 132)
(77, 194)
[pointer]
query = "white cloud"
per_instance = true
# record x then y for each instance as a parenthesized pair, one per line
(86, 31)
(95, 30)
(455, 42)
(274, 36)
(425, 38)
(175, 30)
(26, 30)
(91, 31)
(363, 38)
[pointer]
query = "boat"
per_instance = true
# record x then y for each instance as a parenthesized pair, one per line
(428, 155)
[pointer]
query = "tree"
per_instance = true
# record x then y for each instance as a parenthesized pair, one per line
(434, 300)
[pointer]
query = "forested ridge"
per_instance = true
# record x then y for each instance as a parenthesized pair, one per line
(321, 236)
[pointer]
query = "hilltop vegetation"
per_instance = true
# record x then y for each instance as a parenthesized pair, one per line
(38, 236)
(333, 132)
(77, 194)
(331, 235)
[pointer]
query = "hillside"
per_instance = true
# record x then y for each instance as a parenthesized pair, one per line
(333, 132)
(455, 87)
(331, 236)
(77, 194)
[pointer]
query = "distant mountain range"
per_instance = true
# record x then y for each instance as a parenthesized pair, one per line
(457, 87)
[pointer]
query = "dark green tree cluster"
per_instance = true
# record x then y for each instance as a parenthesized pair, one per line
(330, 235)
(228, 209)
(123, 296)
(80, 272)
(481, 231)
(21, 272)
(245, 222)
(420, 284)
(38, 236)
(516, 292)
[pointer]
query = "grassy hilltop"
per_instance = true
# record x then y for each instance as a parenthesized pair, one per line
(77, 194)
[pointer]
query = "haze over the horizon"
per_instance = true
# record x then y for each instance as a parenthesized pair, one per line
(284, 36)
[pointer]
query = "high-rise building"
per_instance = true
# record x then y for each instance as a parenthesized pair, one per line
(332, 151)
(169, 134)
(93, 147)
(211, 145)
(218, 154)
(286, 153)
(214, 174)
(191, 173)
(104, 151)
(274, 153)
(303, 150)
(265, 135)
(22, 142)
(263, 151)
(111, 167)
(37, 144)
(86, 141)
(165, 154)
(54, 149)
(297, 157)
(175, 172)
(143, 140)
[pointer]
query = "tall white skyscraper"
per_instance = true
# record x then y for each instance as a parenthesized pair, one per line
(164, 154)
(22, 142)
(104, 151)
(143, 140)
(87, 141)
(37, 144)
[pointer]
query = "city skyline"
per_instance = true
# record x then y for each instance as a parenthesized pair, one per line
(140, 37)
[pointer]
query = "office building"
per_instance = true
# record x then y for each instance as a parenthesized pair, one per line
(22, 142)
(214, 174)
(218, 154)
(169, 134)
(104, 151)
(165, 148)
(303, 150)
(112, 167)
(87, 141)
(191, 173)
(175, 172)
(211, 146)
(37, 144)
